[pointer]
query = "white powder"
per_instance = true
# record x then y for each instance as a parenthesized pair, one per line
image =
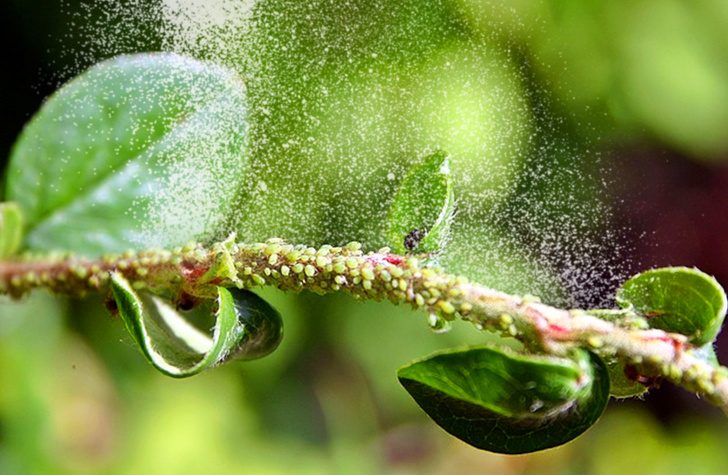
(204, 27)
(344, 96)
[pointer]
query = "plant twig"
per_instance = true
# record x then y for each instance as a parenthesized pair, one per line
(195, 270)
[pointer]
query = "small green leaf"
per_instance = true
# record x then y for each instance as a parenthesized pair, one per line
(11, 229)
(223, 267)
(679, 300)
(423, 208)
(622, 386)
(246, 327)
(139, 151)
(506, 402)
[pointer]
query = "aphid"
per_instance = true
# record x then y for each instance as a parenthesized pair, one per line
(111, 306)
(186, 302)
(633, 375)
(412, 240)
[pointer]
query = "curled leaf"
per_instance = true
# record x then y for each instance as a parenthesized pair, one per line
(423, 208)
(506, 402)
(11, 229)
(177, 347)
(679, 300)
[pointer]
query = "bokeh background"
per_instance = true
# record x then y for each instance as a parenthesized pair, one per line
(614, 110)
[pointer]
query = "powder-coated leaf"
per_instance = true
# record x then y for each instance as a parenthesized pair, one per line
(139, 151)
(506, 402)
(423, 208)
(679, 300)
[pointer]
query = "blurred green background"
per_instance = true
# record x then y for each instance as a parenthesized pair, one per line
(588, 137)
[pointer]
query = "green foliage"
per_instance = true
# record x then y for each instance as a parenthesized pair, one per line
(507, 402)
(677, 299)
(632, 66)
(113, 141)
(11, 229)
(131, 129)
(350, 118)
(422, 211)
(246, 327)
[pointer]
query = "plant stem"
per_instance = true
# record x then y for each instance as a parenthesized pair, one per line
(196, 270)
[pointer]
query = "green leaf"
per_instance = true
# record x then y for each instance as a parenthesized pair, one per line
(506, 402)
(679, 300)
(622, 386)
(246, 327)
(11, 229)
(423, 208)
(223, 267)
(139, 151)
